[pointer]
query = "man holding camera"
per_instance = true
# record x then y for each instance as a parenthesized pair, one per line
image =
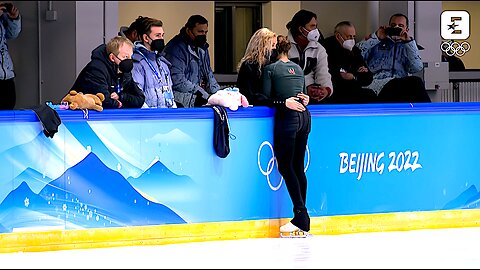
(392, 56)
(10, 27)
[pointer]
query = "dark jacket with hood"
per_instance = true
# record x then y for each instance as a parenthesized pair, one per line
(190, 67)
(350, 61)
(250, 83)
(100, 76)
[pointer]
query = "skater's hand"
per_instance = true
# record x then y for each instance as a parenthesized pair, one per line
(293, 104)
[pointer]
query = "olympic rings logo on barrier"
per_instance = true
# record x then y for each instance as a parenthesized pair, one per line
(453, 47)
(271, 164)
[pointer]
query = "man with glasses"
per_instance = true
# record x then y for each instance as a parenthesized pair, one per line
(348, 69)
(109, 72)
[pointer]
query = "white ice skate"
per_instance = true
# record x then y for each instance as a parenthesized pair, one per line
(291, 231)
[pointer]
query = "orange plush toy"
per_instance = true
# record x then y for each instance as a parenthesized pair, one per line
(84, 101)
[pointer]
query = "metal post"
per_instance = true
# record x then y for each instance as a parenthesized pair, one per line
(456, 91)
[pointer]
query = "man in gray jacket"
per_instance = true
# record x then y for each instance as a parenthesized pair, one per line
(192, 76)
(10, 27)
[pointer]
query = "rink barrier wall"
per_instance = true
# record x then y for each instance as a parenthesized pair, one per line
(151, 176)
(215, 231)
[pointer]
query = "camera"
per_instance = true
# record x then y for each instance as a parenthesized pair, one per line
(6, 7)
(393, 31)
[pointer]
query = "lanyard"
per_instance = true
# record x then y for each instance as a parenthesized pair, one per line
(152, 67)
(118, 85)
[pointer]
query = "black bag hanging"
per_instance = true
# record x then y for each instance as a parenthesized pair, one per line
(221, 131)
(49, 118)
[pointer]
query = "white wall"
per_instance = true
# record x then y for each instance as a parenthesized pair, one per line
(103, 17)
(48, 55)
(329, 13)
(427, 27)
(58, 56)
(276, 15)
(89, 15)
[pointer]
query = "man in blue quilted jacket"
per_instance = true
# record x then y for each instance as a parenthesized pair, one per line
(393, 56)
(10, 27)
(192, 76)
(151, 71)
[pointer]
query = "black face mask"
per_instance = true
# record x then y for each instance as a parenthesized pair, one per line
(200, 40)
(126, 65)
(273, 56)
(157, 45)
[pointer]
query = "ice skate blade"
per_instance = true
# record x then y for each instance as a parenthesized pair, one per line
(295, 234)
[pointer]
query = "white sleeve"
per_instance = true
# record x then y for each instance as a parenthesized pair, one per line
(322, 76)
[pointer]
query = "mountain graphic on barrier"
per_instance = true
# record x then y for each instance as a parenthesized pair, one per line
(468, 199)
(150, 179)
(23, 156)
(87, 195)
(53, 161)
(23, 208)
(87, 137)
(35, 180)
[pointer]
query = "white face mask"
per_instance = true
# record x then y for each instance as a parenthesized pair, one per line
(313, 35)
(348, 44)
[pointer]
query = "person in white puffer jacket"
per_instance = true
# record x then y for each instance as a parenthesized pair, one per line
(307, 52)
(10, 27)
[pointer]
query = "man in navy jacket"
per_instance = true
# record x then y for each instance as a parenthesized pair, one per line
(109, 72)
(192, 76)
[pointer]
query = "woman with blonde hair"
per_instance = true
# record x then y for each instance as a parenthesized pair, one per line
(261, 51)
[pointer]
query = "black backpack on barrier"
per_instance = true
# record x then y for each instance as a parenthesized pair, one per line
(221, 131)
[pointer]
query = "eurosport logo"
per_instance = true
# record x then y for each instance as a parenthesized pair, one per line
(272, 161)
(455, 25)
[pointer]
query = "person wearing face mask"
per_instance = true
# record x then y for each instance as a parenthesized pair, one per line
(109, 72)
(307, 52)
(150, 69)
(192, 76)
(347, 67)
(261, 51)
(393, 56)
